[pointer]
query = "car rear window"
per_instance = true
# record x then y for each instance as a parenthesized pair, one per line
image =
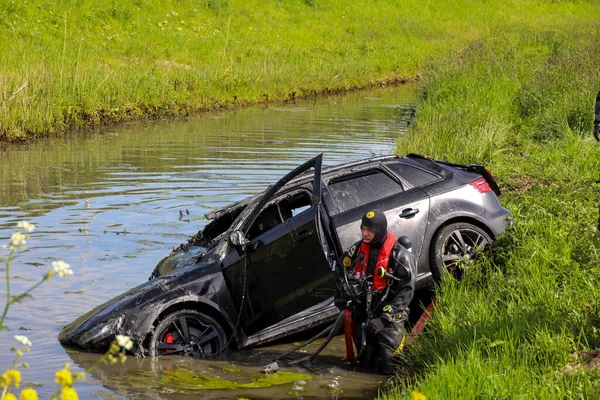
(413, 175)
(356, 191)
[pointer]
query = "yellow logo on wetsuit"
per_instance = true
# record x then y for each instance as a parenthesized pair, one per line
(347, 261)
(370, 214)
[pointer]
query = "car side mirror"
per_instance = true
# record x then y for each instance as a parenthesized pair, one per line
(238, 241)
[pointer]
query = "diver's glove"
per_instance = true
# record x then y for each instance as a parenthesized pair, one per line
(374, 326)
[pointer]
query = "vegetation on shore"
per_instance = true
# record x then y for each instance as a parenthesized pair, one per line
(77, 63)
(525, 321)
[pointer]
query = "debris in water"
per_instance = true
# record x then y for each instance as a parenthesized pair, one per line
(271, 368)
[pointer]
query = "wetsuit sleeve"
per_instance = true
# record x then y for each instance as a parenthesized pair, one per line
(597, 118)
(403, 266)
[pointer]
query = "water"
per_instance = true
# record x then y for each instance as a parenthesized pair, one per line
(113, 203)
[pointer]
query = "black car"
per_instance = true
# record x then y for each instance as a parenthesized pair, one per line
(262, 268)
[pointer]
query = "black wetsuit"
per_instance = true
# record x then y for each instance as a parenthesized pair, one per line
(381, 329)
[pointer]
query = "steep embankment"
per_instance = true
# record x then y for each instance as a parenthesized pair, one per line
(525, 321)
(79, 63)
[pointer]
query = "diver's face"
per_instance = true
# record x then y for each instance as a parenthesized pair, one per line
(367, 234)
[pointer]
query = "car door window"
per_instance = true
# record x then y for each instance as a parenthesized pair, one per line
(357, 190)
(279, 211)
(414, 176)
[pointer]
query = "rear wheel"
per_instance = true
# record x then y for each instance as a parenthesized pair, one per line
(454, 248)
(188, 333)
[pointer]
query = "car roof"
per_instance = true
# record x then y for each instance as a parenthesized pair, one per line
(328, 172)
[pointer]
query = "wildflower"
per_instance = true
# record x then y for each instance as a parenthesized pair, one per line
(416, 395)
(62, 269)
(64, 377)
(124, 341)
(26, 226)
(9, 396)
(28, 394)
(11, 376)
(18, 239)
(23, 340)
(68, 393)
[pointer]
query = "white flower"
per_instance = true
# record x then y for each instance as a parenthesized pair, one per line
(23, 340)
(18, 239)
(26, 225)
(124, 342)
(62, 269)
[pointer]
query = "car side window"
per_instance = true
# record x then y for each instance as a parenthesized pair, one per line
(279, 211)
(414, 176)
(357, 190)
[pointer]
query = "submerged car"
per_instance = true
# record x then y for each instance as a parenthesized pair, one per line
(262, 269)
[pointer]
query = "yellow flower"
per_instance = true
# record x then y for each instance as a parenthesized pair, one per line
(68, 393)
(9, 396)
(416, 395)
(64, 377)
(10, 376)
(28, 394)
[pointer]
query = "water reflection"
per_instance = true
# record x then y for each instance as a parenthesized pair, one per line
(114, 203)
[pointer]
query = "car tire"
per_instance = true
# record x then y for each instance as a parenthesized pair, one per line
(454, 247)
(188, 333)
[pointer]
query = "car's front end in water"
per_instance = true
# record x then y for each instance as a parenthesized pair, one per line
(135, 312)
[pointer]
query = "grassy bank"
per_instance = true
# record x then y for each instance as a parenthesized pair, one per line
(79, 63)
(525, 321)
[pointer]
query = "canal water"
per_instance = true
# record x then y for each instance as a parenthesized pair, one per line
(113, 203)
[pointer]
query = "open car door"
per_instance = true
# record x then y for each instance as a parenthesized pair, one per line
(282, 274)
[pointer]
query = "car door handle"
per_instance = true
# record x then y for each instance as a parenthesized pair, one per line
(301, 238)
(409, 212)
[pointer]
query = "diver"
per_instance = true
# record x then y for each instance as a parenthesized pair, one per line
(376, 319)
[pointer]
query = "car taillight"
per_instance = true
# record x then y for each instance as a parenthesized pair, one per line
(481, 185)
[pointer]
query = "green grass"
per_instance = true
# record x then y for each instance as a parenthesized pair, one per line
(519, 323)
(79, 63)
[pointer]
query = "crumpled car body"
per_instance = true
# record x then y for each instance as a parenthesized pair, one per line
(264, 267)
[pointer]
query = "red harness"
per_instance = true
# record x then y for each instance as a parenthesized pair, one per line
(382, 261)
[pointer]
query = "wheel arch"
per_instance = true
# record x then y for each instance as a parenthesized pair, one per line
(462, 218)
(456, 219)
(426, 256)
(200, 306)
